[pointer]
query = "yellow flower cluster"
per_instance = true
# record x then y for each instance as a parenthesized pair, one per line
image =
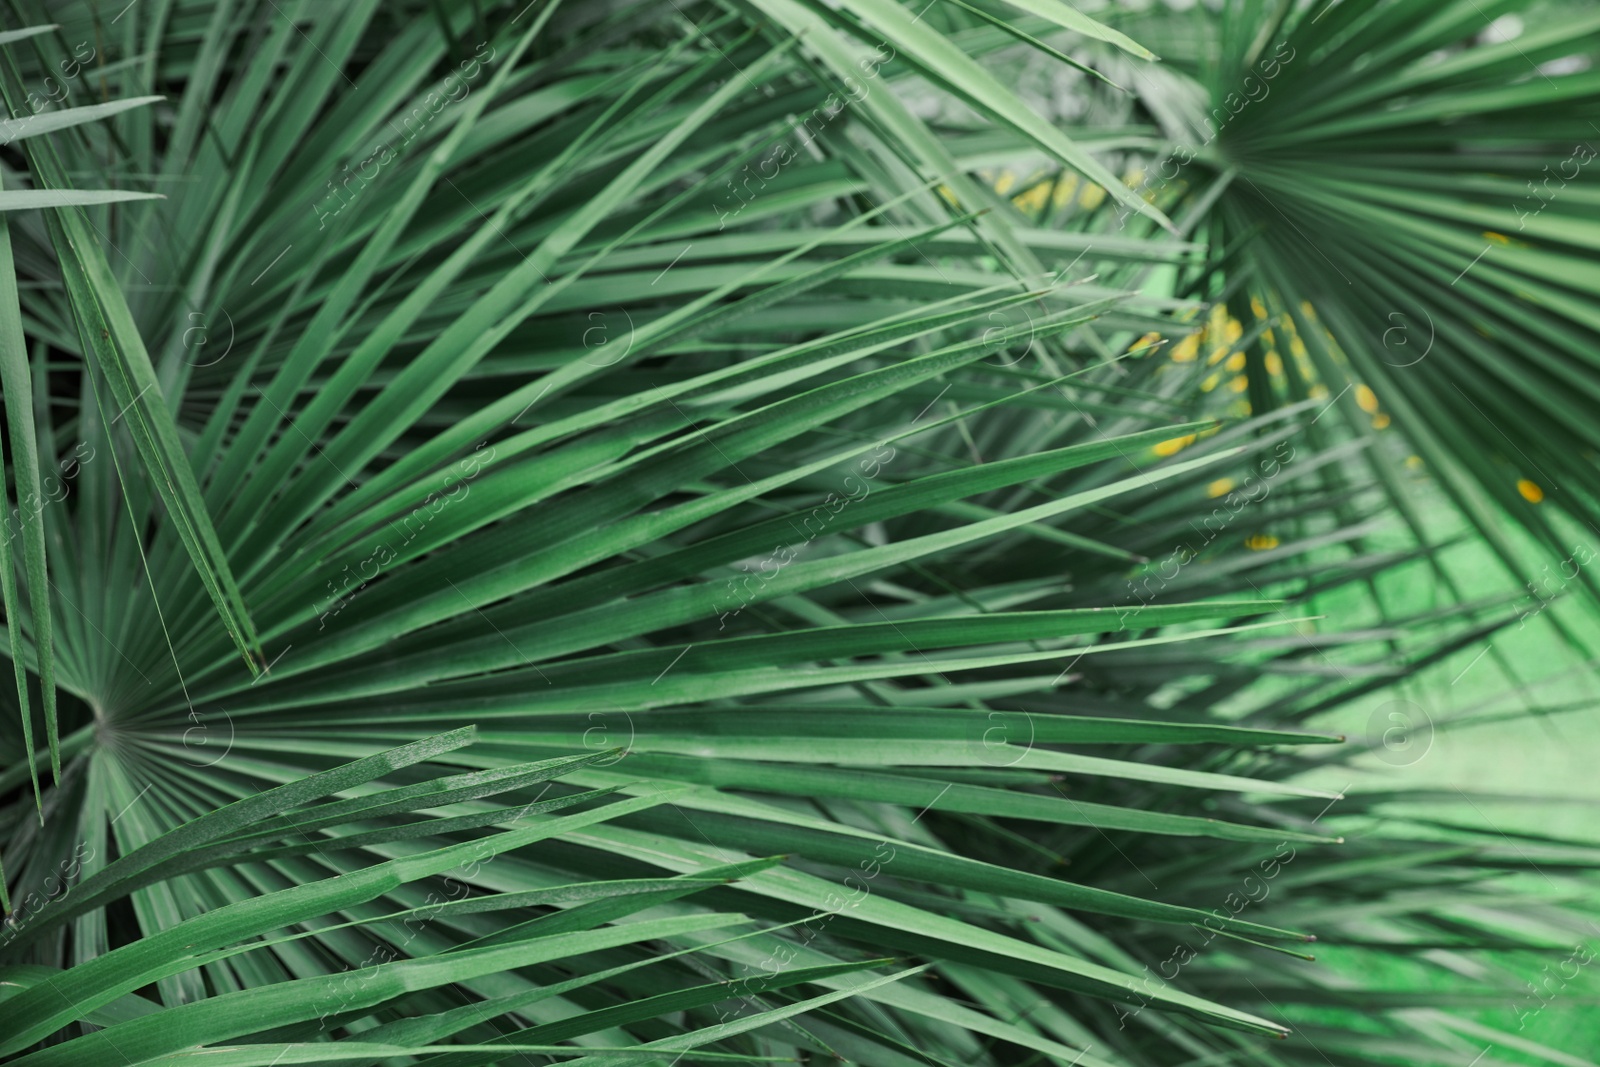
(1040, 191)
(1219, 335)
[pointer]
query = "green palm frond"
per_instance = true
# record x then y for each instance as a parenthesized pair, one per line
(718, 578)
(1405, 195)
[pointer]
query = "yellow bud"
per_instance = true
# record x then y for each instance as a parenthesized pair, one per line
(1034, 199)
(1066, 187)
(1145, 342)
(1173, 446)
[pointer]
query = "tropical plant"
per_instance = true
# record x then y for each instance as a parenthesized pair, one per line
(604, 532)
(1423, 184)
